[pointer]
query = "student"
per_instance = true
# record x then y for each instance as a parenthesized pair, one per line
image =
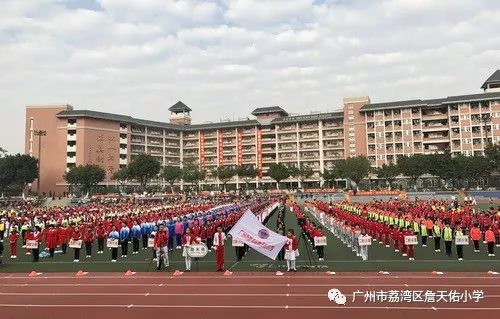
(291, 250)
(460, 248)
(423, 233)
(161, 247)
(77, 235)
(319, 249)
(51, 240)
(410, 248)
(63, 238)
(100, 235)
(88, 238)
(210, 235)
(187, 240)
(364, 248)
(36, 236)
(153, 235)
(218, 246)
(13, 237)
(114, 235)
(475, 235)
(489, 237)
(144, 227)
(179, 230)
(281, 254)
(436, 233)
(171, 232)
(124, 233)
(136, 236)
(448, 239)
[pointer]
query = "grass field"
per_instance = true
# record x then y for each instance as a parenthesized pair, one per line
(337, 258)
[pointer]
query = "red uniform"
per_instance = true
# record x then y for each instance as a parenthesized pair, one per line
(51, 238)
(161, 239)
(13, 237)
(88, 237)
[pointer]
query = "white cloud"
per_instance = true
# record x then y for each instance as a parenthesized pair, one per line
(225, 57)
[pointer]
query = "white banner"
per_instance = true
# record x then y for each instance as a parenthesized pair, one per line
(250, 231)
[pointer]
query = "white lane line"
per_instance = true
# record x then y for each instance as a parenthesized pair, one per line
(130, 306)
(434, 308)
(385, 308)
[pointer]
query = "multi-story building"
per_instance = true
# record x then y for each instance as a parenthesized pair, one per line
(382, 131)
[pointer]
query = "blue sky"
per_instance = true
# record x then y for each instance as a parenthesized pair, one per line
(224, 58)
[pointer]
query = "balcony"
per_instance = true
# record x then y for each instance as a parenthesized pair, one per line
(287, 137)
(248, 150)
(333, 136)
(268, 150)
(309, 145)
(268, 140)
(71, 137)
(191, 136)
(228, 133)
(286, 128)
(72, 126)
(123, 140)
(173, 135)
(309, 136)
(137, 141)
(435, 115)
(123, 151)
(171, 144)
(136, 130)
(309, 127)
(332, 124)
(210, 144)
(248, 132)
(155, 132)
(155, 142)
(71, 159)
(123, 161)
(435, 127)
(123, 129)
(333, 145)
(191, 145)
(287, 157)
(248, 141)
(71, 149)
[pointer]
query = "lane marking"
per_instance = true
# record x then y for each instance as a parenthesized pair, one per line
(434, 308)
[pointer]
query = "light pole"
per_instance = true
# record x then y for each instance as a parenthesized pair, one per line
(40, 134)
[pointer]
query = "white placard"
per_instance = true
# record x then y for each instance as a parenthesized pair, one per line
(411, 240)
(75, 243)
(238, 243)
(112, 243)
(364, 240)
(320, 241)
(197, 250)
(31, 244)
(151, 242)
(462, 240)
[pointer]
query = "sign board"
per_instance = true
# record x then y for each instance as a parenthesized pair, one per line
(31, 244)
(75, 243)
(462, 240)
(112, 243)
(238, 243)
(151, 242)
(411, 240)
(197, 250)
(364, 240)
(320, 241)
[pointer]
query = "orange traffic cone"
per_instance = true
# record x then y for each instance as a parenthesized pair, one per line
(80, 273)
(178, 273)
(32, 274)
(227, 273)
(129, 273)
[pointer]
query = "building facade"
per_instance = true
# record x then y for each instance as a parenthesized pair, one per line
(383, 132)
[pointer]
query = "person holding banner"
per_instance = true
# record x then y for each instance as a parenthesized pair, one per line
(161, 238)
(188, 239)
(291, 251)
(35, 236)
(114, 235)
(77, 235)
(218, 246)
(319, 249)
(410, 248)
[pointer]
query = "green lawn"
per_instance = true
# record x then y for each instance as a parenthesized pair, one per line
(337, 258)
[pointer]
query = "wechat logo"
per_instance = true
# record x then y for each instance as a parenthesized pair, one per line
(335, 295)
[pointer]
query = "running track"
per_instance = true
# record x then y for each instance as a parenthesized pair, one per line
(241, 295)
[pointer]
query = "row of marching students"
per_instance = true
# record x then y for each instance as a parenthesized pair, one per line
(401, 227)
(311, 230)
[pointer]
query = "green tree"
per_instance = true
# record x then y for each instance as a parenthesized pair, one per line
(16, 171)
(388, 173)
(492, 153)
(121, 175)
(301, 173)
(247, 173)
(171, 174)
(191, 173)
(143, 168)
(413, 166)
(354, 168)
(224, 174)
(85, 176)
(278, 172)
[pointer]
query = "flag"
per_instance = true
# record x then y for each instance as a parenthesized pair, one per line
(251, 231)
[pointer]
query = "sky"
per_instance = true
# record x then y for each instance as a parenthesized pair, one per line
(224, 58)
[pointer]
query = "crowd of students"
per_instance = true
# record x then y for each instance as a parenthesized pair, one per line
(391, 221)
(170, 226)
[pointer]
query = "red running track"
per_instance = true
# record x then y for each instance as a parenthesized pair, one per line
(242, 295)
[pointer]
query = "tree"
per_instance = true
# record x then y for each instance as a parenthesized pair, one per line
(413, 166)
(301, 173)
(388, 173)
(143, 168)
(191, 173)
(171, 174)
(16, 171)
(278, 172)
(85, 176)
(224, 174)
(121, 175)
(492, 153)
(354, 168)
(3, 152)
(247, 173)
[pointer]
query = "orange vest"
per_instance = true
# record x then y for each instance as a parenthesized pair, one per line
(489, 236)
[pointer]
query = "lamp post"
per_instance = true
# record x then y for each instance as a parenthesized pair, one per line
(40, 134)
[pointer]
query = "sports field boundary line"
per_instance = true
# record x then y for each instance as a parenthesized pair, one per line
(128, 306)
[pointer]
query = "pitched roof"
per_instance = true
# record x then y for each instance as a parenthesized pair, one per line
(269, 109)
(179, 107)
(432, 102)
(494, 78)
